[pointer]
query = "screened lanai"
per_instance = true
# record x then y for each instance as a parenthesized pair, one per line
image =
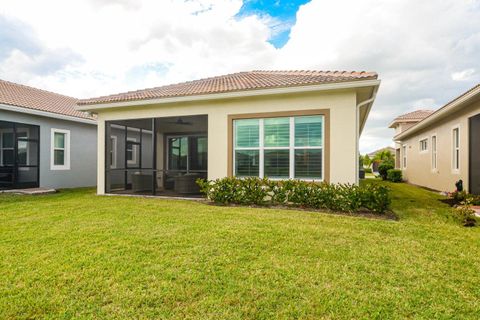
(156, 156)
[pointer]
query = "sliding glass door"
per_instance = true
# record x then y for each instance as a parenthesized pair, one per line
(187, 154)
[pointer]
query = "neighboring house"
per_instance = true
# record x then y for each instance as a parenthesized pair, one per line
(44, 140)
(444, 146)
(372, 155)
(276, 124)
(404, 122)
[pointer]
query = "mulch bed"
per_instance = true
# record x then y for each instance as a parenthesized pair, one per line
(388, 215)
(451, 202)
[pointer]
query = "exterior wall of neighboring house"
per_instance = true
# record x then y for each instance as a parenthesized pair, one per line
(420, 165)
(83, 149)
(399, 128)
(341, 140)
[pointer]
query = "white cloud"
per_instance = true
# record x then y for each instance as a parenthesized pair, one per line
(125, 45)
(426, 52)
(466, 74)
(415, 46)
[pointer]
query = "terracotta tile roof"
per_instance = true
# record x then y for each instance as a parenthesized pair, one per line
(31, 98)
(416, 115)
(240, 81)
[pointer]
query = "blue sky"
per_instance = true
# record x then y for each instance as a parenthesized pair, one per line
(282, 11)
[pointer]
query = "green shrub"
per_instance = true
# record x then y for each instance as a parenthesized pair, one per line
(368, 170)
(465, 213)
(394, 175)
(459, 196)
(383, 169)
(336, 197)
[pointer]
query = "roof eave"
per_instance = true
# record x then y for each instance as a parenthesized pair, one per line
(444, 111)
(231, 95)
(47, 114)
(397, 121)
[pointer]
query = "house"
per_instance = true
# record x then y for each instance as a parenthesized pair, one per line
(373, 154)
(275, 124)
(404, 122)
(437, 149)
(44, 140)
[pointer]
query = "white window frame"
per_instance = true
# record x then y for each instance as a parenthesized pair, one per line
(434, 149)
(455, 150)
(261, 148)
(134, 152)
(66, 150)
(420, 145)
(113, 152)
(404, 156)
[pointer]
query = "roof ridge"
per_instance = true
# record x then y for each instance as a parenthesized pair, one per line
(237, 81)
(38, 89)
(167, 85)
(303, 71)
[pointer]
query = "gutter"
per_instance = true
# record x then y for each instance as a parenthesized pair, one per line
(231, 95)
(358, 131)
(369, 108)
(47, 114)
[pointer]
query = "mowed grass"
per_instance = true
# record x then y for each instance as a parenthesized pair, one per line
(78, 255)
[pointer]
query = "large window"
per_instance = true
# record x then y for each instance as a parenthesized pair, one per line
(60, 150)
(279, 148)
(434, 152)
(456, 149)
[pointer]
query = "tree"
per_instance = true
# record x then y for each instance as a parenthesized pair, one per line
(384, 156)
(367, 161)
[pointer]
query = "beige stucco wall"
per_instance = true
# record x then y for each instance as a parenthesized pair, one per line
(343, 126)
(419, 164)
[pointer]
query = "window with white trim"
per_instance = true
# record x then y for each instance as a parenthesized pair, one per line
(60, 149)
(434, 152)
(456, 148)
(404, 156)
(424, 145)
(279, 148)
(132, 150)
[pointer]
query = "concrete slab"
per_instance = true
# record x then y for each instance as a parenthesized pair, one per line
(477, 210)
(30, 191)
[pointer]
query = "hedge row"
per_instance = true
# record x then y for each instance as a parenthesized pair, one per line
(336, 197)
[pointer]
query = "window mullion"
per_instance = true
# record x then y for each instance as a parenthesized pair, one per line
(261, 147)
(292, 148)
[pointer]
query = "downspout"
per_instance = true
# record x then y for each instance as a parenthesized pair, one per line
(358, 129)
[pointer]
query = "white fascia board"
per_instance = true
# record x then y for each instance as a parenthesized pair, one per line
(439, 114)
(236, 94)
(45, 114)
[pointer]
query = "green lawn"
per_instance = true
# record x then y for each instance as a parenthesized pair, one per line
(77, 255)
